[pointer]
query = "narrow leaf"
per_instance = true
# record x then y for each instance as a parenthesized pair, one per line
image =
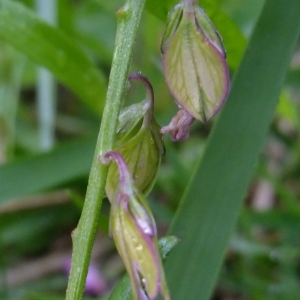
(40, 172)
(52, 49)
(214, 197)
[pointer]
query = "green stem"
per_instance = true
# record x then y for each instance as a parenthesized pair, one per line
(83, 238)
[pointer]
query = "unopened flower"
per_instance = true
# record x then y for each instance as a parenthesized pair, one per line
(139, 141)
(179, 127)
(134, 231)
(194, 61)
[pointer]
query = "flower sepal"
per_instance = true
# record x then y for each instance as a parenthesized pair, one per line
(194, 61)
(139, 141)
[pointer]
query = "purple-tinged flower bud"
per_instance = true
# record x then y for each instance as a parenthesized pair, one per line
(134, 231)
(194, 61)
(139, 141)
(179, 128)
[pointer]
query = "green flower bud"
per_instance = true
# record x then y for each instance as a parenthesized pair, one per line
(130, 121)
(208, 29)
(194, 61)
(139, 141)
(133, 228)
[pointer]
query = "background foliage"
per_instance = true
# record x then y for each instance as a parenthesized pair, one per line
(41, 193)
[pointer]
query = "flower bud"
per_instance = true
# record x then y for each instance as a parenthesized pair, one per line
(139, 141)
(179, 127)
(134, 231)
(194, 62)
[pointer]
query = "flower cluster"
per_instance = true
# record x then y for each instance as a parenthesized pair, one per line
(133, 228)
(137, 156)
(195, 69)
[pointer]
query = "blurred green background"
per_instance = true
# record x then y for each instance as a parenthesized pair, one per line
(45, 165)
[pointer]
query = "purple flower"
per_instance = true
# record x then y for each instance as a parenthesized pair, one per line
(179, 127)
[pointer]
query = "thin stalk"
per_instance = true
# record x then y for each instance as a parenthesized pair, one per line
(12, 69)
(46, 86)
(83, 237)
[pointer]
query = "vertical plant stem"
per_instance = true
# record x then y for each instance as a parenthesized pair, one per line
(10, 85)
(46, 86)
(83, 238)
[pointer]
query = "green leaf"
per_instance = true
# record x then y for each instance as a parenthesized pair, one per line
(45, 171)
(50, 48)
(212, 201)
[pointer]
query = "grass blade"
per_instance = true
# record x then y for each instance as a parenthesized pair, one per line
(213, 199)
(44, 171)
(52, 49)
